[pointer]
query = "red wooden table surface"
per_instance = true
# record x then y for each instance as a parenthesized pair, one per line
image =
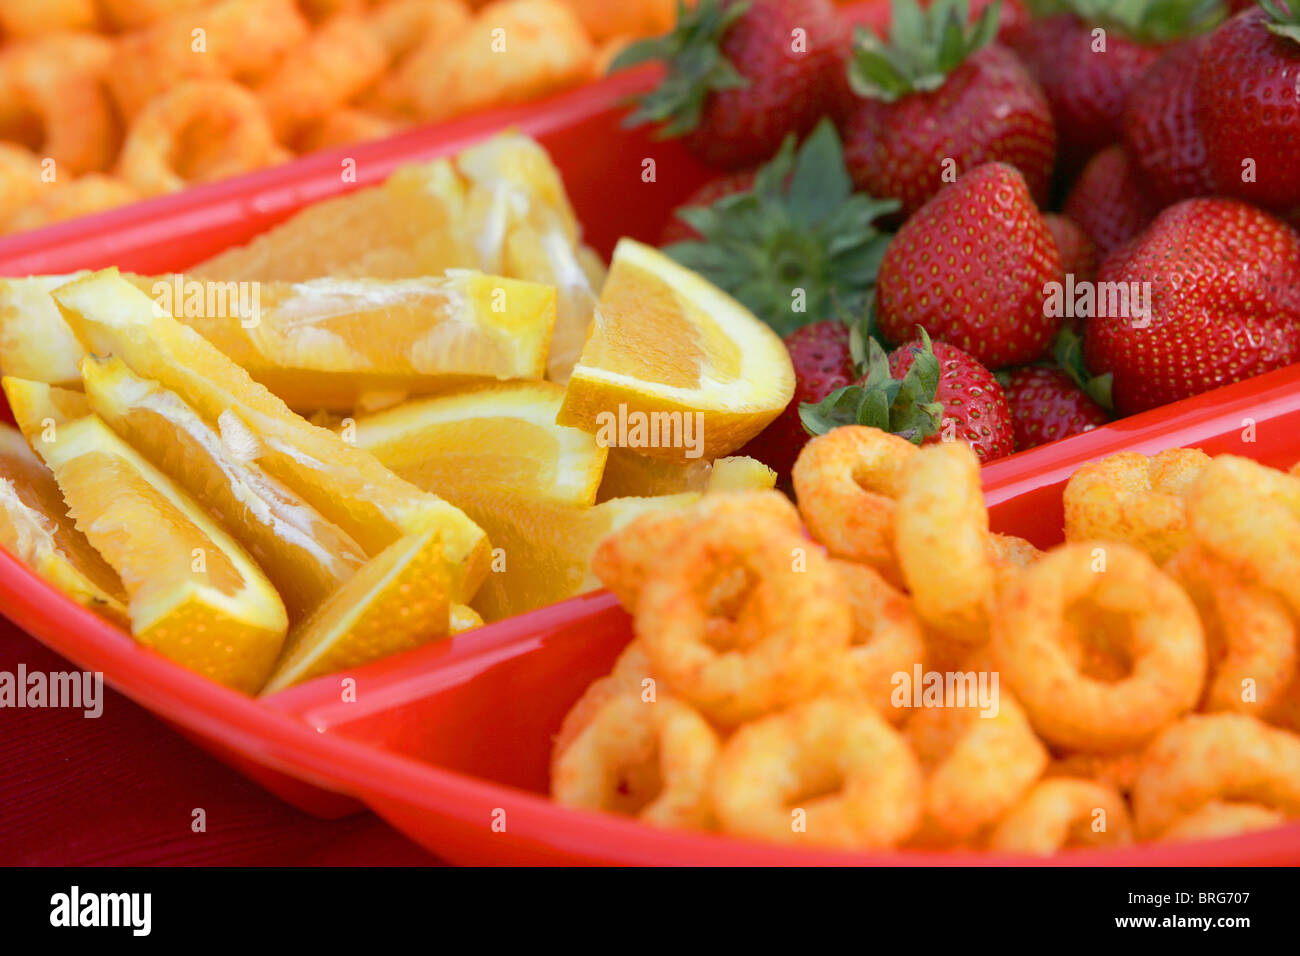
(122, 788)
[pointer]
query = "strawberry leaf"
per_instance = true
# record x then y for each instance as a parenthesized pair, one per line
(1068, 352)
(1151, 21)
(801, 246)
(925, 45)
(695, 65)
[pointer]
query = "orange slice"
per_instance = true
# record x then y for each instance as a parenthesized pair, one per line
(542, 550)
(194, 594)
(498, 438)
(411, 225)
(36, 529)
(340, 343)
(463, 618)
(305, 556)
(396, 602)
(348, 486)
(35, 342)
(673, 367)
(740, 473)
(499, 206)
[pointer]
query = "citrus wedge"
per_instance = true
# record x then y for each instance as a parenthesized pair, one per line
(740, 473)
(629, 474)
(463, 618)
(542, 550)
(410, 225)
(341, 343)
(36, 529)
(195, 595)
(498, 438)
(520, 216)
(667, 344)
(397, 601)
(39, 408)
(35, 342)
(346, 485)
(305, 556)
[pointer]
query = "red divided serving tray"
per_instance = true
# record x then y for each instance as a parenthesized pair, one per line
(450, 742)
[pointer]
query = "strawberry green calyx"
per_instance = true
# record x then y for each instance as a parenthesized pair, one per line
(1283, 17)
(799, 247)
(905, 406)
(1151, 21)
(695, 64)
(1068, 352)
(924, 47)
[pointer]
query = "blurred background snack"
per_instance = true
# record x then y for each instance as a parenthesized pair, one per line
(106, 101)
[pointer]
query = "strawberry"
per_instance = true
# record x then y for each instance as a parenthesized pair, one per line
(1078, 254)
(743, 74)
(971, 267)
(1089, 60)
(1248, 105)
(1224, 304)
(938, 101)
(823, 362)
(1047, 405)
(1161, 133)
(676, 228)
(798, 247)
(925, 391)
(1109, 202)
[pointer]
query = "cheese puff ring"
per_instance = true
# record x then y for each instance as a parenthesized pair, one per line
(92, 193)
(1155, 624)
(941, 532)
(653, 761)
(20, 178)
(624, 559)
(199, 131)
(55, 88)
(1216, 757)
(852, 775)
(340, 60)
(631, 668)
(403, 25)
(546, 51)
(22, 19)
(1134, 498)
(342, 127)
(1062, 814)
(976, 768)
(846, 482)
(806, 620)
(242, 40)
(886, 638)
(1009, 551)
(1219, 818)
(1118, 771)
(132, 14)
(1248, 516)
(1249, 634)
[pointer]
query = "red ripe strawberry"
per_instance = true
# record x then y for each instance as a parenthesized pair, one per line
(1161, 134)
(1047, 405)
(742, 74)
(926, 392)
(1248, 105)
(1109, 202)
(822, 363)
(910, 132)
(1089, 64)
(1078, 254)
(971, 268)
(975, 409)
(1013, 17)
(1224, 304)
(677, 229)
